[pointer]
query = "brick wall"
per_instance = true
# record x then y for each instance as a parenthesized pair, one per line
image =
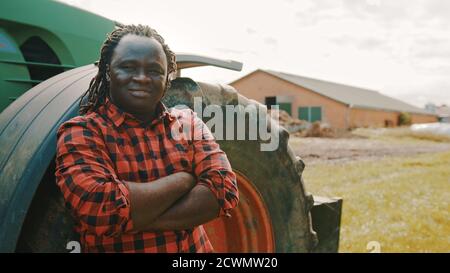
(377, 118)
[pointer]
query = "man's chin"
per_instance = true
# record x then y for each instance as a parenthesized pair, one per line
(140, 109)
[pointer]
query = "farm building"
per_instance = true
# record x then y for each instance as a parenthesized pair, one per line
(443, 113)
(339, 105)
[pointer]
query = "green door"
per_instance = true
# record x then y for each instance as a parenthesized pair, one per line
(303, 113)
(310, 114)
(286, 106)
(316, 114)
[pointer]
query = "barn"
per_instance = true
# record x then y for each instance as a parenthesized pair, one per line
(341, 106)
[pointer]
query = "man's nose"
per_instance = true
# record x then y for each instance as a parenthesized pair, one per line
(141, 76)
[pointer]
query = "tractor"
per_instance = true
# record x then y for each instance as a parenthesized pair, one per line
(48, 52)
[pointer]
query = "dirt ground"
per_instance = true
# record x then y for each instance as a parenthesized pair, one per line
(340, 150)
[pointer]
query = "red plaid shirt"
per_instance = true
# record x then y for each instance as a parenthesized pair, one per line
(100, 150)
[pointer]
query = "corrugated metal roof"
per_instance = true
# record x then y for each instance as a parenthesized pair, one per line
(350, 95)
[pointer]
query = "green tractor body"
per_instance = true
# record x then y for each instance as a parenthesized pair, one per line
(40, 39)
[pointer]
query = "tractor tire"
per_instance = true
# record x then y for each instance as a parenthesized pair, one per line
(273, 214)
(274, 211)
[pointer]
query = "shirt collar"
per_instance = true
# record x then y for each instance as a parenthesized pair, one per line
(119, 116)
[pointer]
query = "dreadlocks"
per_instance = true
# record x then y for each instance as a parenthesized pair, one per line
(99, 85)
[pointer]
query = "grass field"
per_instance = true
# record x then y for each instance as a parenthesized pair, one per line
(402, 203)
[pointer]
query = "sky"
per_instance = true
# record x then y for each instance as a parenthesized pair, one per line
(400, 48)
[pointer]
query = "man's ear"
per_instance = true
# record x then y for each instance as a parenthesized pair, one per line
(169, 79)
(171, 76)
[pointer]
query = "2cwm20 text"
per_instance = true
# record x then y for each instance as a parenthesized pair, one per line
(248, 262)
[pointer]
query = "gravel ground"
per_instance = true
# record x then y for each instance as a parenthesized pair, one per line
(339, 150)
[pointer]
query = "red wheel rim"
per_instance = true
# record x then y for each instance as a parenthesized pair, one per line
(249, 229)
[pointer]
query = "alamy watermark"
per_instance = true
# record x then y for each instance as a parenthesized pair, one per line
(74, 247)
(374, 247)
(230, 122)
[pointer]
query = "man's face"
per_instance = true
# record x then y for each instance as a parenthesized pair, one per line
(138, 75)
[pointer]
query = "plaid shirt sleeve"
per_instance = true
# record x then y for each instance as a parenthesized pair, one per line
(87, 179)
(212, 168)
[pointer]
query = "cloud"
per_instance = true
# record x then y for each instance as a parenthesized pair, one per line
(432, 48)
(341, 40)
(359, 42)
(442, 53)
(311, 13)
(383, 11)
(437, 95)
(437, 9)
(372, 43)
(250, 31)
(420, 91)
(230, 51)
(270, 41)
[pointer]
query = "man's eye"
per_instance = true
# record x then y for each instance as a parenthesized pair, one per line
(155, 72)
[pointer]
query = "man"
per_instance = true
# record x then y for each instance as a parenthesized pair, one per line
(131, 185)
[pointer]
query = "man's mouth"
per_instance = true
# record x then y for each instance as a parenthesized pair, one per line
(139, 93)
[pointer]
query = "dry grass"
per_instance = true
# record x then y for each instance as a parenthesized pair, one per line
(401, 202)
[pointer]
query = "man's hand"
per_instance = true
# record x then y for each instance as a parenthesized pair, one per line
(150, 200)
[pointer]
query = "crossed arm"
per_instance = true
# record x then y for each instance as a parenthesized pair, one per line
(177, 203)
(107, 206)
(182, 200)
